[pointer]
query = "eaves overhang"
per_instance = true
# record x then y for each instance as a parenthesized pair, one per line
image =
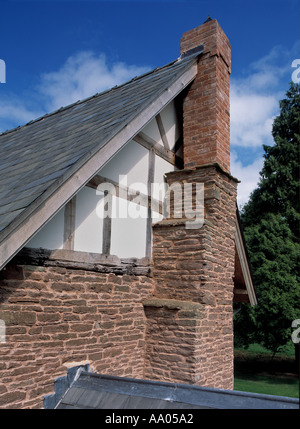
(244, 261)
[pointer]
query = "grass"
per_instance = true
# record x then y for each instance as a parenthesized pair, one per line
(267, 384)
(256, 371)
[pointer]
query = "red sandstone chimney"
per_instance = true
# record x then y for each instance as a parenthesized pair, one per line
(190, 320)
(206, 117)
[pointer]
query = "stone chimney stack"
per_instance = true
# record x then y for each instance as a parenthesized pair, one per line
(206, 108)
(189, 335)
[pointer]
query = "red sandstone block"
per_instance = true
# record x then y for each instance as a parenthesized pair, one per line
(48, 317)
(84, 309)
(47, 344)
(11, 398)
(70, 317)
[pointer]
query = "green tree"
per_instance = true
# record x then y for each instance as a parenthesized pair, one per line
(270, 221)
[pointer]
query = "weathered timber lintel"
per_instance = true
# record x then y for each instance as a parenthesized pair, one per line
(84, 261)
(161, 151)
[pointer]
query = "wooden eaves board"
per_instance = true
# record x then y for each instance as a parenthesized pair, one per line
(241, 251)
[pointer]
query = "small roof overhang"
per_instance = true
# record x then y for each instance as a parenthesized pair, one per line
(244, 289)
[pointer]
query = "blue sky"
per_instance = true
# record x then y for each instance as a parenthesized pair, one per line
(57, 52)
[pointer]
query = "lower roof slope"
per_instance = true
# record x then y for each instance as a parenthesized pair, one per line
(96, 391)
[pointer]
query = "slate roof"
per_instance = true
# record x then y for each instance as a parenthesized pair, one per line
(95, 391)
(38, 157)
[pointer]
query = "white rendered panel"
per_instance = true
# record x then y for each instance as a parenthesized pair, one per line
(131, 162)
(161, 168)
(128, 230)
(51, 235)
(88, 225)
(170, 124)
(156, 217)
(151, 130)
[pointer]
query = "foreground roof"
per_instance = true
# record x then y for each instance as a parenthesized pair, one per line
(96, 391)
(60, 152)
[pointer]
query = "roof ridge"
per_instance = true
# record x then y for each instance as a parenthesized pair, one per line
(98, 94)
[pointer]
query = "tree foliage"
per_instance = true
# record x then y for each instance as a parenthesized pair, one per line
(270, 221)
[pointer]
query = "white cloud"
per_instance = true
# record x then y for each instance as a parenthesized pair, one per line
(84, 74)
(252, 114)
(248, 175)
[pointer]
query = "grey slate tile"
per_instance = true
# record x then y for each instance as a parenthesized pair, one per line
(73, 395)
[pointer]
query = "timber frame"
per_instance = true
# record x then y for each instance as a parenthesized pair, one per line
(44, 208)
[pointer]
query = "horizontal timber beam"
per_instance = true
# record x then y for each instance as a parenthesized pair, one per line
(159, 150)
(84, 261)
(128, 193)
